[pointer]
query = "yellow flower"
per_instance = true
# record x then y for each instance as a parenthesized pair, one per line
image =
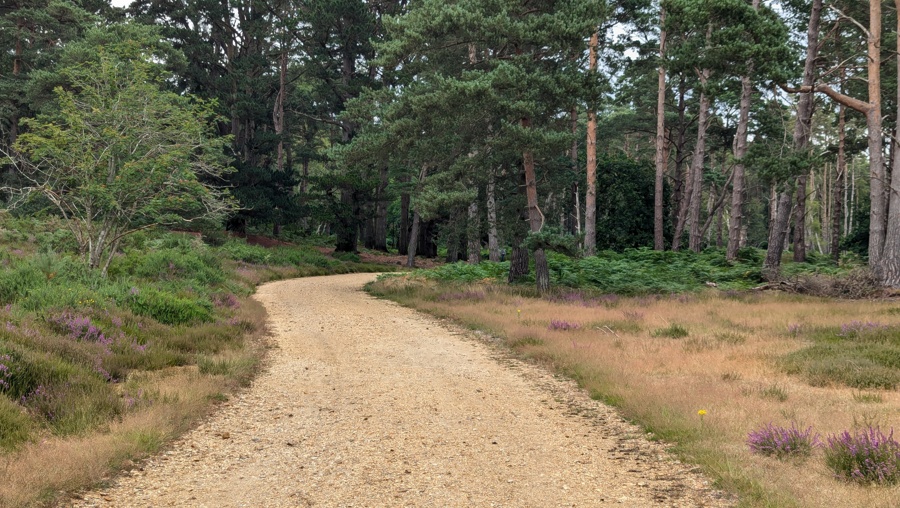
(701, 412)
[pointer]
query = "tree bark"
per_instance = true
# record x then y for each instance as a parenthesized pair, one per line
(413, 241)
(696, 192)
(678, 190)
(518, 264)
(800, 221)
(403, 236)
(837, 210)
(473, 234)
(278, 112)
(736, 219)
(778, 232)
(661, 159)
(740, 150)
(535, 217)
(876, 155)
(493, 237)
(590, 200)
(889, 273)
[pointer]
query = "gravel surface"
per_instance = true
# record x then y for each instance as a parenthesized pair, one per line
(366, 403)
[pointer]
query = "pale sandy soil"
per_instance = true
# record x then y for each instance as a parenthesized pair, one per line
(365, 403)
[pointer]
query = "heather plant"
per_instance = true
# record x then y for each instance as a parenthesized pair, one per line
(858, 328)
(783, 442)
(562, 325)
(866, 456)
(5, 372)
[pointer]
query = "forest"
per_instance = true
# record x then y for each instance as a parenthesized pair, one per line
(463, 129)
(688, 208)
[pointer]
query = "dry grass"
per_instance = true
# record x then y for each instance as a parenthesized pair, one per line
(50, 468)
(624, 352)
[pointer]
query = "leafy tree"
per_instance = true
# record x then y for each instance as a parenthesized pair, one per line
(119, 154)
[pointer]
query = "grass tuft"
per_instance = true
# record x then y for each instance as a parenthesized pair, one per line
(673, 331)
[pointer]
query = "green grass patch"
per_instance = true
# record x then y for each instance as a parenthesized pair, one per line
(858, 355)
(15, 424)
(673, 331)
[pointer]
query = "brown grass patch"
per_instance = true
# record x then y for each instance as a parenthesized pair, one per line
(726, 365)
(50, 468)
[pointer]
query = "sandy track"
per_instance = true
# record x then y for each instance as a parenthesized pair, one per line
(365, 403)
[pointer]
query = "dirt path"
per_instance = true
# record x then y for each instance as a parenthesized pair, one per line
(366, 403)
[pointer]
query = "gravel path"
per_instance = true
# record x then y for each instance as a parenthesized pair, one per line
(366, 403)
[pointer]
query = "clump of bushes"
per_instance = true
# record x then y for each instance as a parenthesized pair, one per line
(780, 442)
(867, 456)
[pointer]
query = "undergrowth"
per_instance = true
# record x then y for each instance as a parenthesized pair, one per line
(641, 271)
(80, 351)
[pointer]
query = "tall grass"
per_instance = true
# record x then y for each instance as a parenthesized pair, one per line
(735, 364)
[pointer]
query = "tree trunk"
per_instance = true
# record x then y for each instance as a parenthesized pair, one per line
(737, 186)
(518, 264)
(403, 236)
(720, 226)
(473, 234)
(839, 186)
(535, 217)
(278, 112)
(575, 217)
(678, 177)
(380, 240)
(778, 233)
(876, 155)
(427, 244)
(696, 193)
(415, 231)
(736, 220)
(688, 196)
(800, 221)
(661, 159)
(889, 273)
(413, 241)
(590, 200)
(493, 237)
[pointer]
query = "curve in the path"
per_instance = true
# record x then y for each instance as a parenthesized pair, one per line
(366, 403)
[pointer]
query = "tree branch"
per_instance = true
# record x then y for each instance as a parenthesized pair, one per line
(852, 103)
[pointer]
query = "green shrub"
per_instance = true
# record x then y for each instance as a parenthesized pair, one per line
(19, 281)
(169, 308)
(239, 250)
(350, 257)
(464, 272)
(673, 331)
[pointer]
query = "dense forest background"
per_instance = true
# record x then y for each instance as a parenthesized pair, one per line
(468, 128)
